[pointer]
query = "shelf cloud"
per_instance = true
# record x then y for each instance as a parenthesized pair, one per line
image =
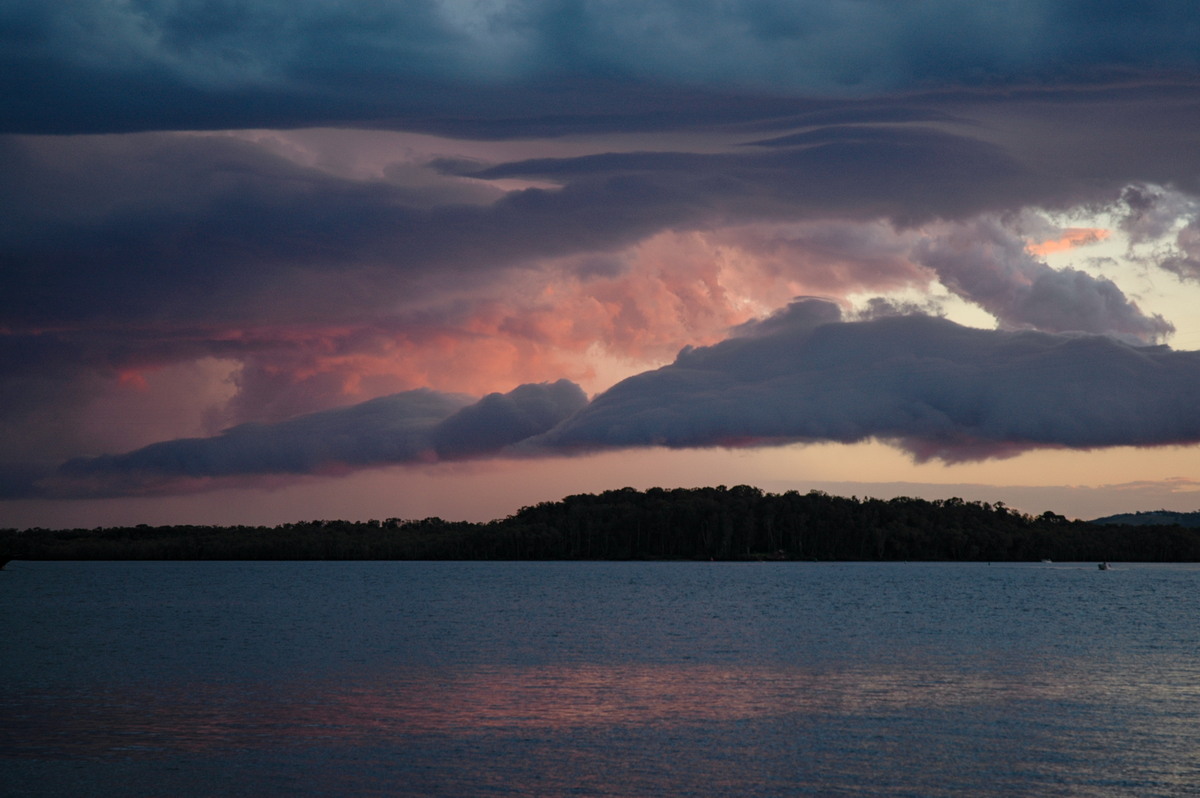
(929, 386)
(933, 388)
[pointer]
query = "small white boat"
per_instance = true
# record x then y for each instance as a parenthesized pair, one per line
(1105, 566)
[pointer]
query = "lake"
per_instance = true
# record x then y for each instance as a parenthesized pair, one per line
(590, 679)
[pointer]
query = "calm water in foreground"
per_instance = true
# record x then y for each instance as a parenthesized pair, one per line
(699, 679)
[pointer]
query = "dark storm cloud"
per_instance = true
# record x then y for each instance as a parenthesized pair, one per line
(210, 228)
(414, 426)
(191, 228)
(136, 227)
(905, 174)
(488, 69)
(932, 387)
(196, 228)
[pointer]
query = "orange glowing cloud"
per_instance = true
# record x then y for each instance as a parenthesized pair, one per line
(1071, 238)
(592, 319)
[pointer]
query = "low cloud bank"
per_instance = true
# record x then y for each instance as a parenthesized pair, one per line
(933, 388)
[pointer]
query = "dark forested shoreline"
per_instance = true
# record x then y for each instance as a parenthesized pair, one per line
(739, 523)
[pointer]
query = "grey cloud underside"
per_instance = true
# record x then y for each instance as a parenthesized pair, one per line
(476, 69)
(927, 385)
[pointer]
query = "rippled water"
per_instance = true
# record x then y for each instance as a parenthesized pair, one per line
(701, 679)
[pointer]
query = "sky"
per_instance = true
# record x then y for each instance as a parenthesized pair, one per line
(271, 261)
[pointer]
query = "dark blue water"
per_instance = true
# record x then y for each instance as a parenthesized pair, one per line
(700, 679)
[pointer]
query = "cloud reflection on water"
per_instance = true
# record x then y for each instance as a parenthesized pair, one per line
(550, 699)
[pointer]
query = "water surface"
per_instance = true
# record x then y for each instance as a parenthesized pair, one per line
(703, 679)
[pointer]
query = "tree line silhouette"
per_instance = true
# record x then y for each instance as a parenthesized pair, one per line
(714, 523)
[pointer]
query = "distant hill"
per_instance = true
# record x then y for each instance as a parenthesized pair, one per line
(1152, 518)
